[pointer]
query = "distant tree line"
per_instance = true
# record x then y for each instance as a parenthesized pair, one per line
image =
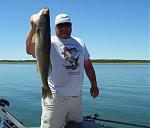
(119, 61)
(93, 61)
(17, 61)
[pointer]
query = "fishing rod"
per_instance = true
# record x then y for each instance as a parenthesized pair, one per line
(95, 117)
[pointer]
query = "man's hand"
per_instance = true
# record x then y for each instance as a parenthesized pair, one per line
(94, 91)
(33, 25)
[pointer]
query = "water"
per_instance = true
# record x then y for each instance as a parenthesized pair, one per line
(124, 88)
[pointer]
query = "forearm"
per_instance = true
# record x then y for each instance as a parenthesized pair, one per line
(29, 41)
(89, 70)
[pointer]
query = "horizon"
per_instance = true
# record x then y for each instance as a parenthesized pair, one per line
(91, 59)
(111, 29)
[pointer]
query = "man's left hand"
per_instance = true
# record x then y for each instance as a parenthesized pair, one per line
(94, 92)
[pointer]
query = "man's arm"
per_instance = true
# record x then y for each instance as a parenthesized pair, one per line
(30, 46)
(89, 70)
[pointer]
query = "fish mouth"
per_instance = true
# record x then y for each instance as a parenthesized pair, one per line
(44, 11)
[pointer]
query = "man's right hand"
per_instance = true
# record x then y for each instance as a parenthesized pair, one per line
(33, 25)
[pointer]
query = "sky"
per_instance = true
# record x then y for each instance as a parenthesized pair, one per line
(111, 29)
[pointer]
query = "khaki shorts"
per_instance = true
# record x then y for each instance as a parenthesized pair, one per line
(57, 110)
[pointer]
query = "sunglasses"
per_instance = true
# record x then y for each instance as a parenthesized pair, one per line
(61, 25)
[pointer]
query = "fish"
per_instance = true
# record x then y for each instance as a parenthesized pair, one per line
(42, 40)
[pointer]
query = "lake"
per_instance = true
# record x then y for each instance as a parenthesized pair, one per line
(124, 88)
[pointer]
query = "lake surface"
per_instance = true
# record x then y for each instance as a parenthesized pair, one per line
(125, 92)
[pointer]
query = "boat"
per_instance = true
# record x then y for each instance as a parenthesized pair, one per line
(7, 120)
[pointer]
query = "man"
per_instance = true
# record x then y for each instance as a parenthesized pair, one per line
(69, 58)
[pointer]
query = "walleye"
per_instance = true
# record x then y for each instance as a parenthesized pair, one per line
(42, 39)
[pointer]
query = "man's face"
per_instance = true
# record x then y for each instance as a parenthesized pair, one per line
(63, 30)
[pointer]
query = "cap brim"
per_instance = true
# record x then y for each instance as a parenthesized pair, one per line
(62, 22)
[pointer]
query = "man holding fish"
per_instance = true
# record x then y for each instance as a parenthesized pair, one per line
(62, 75)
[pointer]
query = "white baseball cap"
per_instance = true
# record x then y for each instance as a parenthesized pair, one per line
(62, 18)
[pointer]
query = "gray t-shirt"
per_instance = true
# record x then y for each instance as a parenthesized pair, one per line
(67, 58)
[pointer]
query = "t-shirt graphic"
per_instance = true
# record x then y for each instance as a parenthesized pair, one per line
(71, 55)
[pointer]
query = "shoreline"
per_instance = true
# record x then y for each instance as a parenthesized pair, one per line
(98, 61)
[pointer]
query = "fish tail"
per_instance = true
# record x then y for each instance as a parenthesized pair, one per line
(46, 92)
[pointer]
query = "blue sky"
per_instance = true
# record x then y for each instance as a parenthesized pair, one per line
(111, 29)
